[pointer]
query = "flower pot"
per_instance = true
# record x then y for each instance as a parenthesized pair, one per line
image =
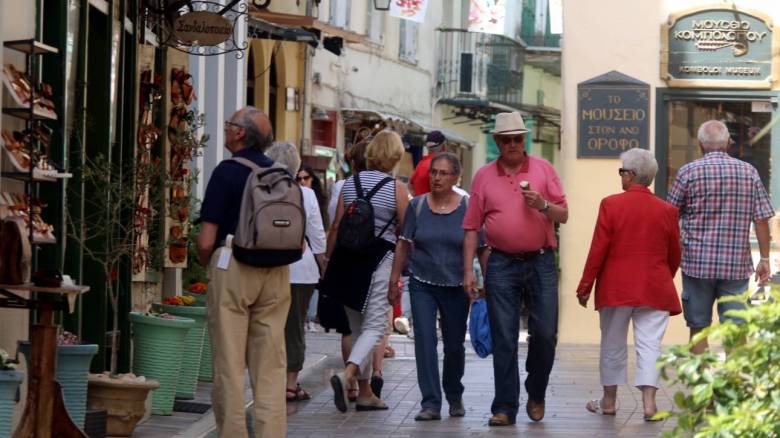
(200, 299)
(193, 346)
(206, 372)
(158, 352)
(177, 252)
(123, 400)
(72, 369)
(9, 383)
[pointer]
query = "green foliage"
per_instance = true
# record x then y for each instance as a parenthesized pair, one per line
(6, 363)
(735, 396)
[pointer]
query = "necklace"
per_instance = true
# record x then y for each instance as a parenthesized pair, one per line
(441, 207)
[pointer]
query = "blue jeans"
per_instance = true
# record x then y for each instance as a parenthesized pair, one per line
(453, 305)
(699, 294)
(508, 282)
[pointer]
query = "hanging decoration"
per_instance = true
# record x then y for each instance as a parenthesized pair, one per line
(413, 10)
(198, 27)
(488, 16)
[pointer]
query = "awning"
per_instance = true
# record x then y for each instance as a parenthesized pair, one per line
(306, 22)
(394, 121)
(259, 28)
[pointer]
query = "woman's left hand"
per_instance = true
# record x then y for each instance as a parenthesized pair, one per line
(393, 292)
(583, 299)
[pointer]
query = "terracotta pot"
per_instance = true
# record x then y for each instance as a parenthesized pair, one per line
(183, 213)
(123, 400)
(177, 252)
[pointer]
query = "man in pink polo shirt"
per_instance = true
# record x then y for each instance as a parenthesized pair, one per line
(517, 199)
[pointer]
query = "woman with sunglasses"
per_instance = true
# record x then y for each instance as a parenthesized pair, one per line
(633, 258)
(307, 178)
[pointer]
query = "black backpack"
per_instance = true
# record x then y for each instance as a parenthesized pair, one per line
(356, 229)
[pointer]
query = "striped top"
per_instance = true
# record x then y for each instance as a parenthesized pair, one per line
(383, 201)
(718, 197)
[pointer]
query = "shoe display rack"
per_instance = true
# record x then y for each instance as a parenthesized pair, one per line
(27, 152)
(26, 158)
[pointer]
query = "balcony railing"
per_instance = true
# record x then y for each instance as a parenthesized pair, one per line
(479, 66)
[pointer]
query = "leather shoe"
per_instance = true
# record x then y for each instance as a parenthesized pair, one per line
(372, 403)
(428, 415)
(501, 419)
(535, 410)
(457, 409)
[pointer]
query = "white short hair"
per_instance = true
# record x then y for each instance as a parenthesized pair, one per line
(714, 135)
(285, 153)
(642, 163)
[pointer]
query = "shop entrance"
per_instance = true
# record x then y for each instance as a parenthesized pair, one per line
(680, 113)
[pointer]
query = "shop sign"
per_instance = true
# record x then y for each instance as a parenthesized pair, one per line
(202, 28)
(719, 47)
(613, 115)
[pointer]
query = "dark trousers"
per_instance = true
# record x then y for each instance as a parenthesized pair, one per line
(508, 282)
(453, 305)
(294, 333)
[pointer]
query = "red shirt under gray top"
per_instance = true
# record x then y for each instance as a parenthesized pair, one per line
(718, 197)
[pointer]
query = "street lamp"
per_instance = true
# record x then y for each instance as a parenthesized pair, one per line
(382, 5)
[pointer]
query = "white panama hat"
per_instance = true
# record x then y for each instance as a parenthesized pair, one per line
(509, 124)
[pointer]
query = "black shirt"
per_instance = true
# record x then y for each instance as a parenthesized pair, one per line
(222, 202)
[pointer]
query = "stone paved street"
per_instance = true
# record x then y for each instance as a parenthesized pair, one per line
(574, 381)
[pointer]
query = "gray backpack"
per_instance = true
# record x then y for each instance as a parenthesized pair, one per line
(272, 222)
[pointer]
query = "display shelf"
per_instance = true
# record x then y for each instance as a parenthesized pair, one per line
(37, 176)
(30, 46)
(26, 114)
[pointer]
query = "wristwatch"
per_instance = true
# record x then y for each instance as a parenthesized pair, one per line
(546, 207)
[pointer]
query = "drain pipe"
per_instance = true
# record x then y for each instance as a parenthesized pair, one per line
(305, 106)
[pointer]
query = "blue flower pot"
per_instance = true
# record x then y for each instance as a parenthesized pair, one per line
(72, 369)
(9, 382)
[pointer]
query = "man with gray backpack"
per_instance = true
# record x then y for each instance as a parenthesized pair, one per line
(252, 227)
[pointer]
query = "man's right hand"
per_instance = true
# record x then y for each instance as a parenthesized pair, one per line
(762, 272)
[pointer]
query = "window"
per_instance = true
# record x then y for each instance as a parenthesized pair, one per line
(407, 47)
(375, 23)
(339, 13)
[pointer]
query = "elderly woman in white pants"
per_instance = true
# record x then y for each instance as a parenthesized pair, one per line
(633, 258)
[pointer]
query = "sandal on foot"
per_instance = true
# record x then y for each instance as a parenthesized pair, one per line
(372, 403)
(352, 394)
(339, 384)
(652, 417)
(594, 406)
(297, 394)
(389, 352)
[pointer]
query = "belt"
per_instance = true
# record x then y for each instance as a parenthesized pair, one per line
(520, 256)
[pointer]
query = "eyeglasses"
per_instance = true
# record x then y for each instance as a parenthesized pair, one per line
(303, 178)
(442, 173)
(622, 171)
(228, 124)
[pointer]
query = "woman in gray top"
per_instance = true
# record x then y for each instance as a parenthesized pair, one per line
(433, 233)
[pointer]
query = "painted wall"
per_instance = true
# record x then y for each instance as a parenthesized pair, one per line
(599, 36)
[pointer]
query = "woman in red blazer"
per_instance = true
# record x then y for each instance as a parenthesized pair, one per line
(633, 258)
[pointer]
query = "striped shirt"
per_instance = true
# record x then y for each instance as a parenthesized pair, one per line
(383, 201)
(718, 198)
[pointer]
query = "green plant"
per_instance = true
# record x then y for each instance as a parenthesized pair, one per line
(6, 363)
(735, 396)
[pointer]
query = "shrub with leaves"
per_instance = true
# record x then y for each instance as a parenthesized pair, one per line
(733, 396)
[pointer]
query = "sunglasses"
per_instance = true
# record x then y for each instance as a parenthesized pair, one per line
(622, 171)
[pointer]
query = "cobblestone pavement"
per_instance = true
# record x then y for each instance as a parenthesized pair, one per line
(574, 380)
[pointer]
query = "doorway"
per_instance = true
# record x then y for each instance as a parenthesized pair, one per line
(681, 112)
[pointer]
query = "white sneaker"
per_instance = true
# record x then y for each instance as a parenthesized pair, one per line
(401, 325)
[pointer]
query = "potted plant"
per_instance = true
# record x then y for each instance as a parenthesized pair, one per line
(159, 340)
(105, 235)
(10, 379)
(187, 307)
(73, 360)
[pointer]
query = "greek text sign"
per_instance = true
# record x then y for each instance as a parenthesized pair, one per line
(718, 47)
(202, 28)
(613, 115)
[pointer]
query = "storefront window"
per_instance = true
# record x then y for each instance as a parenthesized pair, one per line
(744, 120)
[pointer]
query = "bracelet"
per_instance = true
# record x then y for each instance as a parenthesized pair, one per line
(764, 259)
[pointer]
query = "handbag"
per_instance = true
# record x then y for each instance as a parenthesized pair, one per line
(479, 329)
(350, 272)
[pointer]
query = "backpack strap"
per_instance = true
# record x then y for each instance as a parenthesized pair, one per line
(418, 208)
(376, 188)
(246, 162)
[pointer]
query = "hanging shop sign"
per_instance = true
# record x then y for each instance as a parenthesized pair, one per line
(202, 28)
(613, 115)
(487, 16)
(199, 27)
(413, 10)
(719, 47)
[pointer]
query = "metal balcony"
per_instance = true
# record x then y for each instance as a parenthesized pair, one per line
(480, 67)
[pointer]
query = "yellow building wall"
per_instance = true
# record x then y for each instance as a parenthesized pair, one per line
(288, 57)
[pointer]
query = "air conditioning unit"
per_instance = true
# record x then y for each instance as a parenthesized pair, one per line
(466, 72)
